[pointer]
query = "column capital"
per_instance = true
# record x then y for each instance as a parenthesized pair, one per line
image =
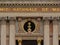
(45, 18)
(56, 18)
(12, 19)
(3, 22)
(46, 22)
(38, 19)
(55, 22)
(12, 22)
(18, 18)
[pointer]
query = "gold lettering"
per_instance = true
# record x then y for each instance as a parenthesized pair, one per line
(43, 9)
(54, 9)
(30, 9)
(46, 9)
(1, 9)
(58, 9)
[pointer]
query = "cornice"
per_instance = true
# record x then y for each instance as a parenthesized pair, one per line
(28, 5)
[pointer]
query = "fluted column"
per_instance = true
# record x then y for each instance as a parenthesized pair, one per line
(46, 33)
(3, 32)
(12, 33)
(55, 32)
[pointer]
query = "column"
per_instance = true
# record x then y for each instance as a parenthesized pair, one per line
(46, 33)
(55, 32)
(12, 33)
(3, 32)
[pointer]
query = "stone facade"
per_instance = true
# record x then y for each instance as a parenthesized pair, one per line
(13, 29)
(20, 21)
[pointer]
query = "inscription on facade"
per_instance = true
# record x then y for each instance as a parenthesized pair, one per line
(29, 9)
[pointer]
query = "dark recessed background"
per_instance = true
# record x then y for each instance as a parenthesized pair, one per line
(29, 42)
(26, 26)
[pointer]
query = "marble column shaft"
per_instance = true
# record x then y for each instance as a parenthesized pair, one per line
(3, 32)
(55, 32)
(12, 33)
(46, 33)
